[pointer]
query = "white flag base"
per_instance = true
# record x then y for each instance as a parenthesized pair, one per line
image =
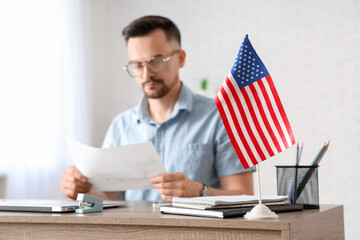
(260, 211)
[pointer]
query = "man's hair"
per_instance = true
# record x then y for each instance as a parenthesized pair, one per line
(145, 25)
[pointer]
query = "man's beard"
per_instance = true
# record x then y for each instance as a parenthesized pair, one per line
(159, 93)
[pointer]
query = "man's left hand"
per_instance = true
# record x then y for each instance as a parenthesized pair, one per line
(176, 184)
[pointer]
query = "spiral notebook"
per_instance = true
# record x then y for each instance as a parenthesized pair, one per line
(227, 201)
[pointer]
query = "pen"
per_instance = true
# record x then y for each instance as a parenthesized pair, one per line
(293, 190)
(300, 152)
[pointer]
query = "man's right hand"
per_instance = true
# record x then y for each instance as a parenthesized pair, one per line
(73, 182)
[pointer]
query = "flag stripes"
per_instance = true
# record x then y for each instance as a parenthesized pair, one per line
(254, 119)
(290, 137)
(248, 123)
(229, 132)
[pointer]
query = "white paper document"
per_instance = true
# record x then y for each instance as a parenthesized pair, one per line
(119, 168)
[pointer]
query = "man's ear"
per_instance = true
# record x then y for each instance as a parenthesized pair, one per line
(182, 56)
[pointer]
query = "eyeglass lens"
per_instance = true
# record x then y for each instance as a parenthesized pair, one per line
(156, 64)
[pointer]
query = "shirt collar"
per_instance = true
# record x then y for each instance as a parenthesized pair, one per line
(184, 102)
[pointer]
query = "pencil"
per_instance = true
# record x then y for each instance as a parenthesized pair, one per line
(320, 154)
(301, 185)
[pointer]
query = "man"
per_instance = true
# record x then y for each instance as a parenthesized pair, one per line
(185, 128)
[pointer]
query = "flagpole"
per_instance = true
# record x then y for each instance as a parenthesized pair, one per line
(260, 211)
(258, 182)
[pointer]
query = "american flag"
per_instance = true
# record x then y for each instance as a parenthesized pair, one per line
(251, 110)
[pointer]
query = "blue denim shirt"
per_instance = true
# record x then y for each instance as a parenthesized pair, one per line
(192, 140)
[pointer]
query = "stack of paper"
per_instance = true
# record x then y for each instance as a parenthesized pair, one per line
(226, 206)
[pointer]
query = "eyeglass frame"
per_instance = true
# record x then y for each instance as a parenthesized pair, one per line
(165, 60)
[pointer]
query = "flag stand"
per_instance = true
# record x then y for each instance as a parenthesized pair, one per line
(260, 211)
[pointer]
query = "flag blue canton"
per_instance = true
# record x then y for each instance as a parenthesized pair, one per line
(248, 67)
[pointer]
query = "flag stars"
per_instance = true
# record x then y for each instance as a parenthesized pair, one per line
(247, 67)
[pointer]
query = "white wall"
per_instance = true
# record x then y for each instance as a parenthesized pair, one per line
(311, 49)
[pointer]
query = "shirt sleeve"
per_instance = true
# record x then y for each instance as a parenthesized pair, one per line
(111, 136)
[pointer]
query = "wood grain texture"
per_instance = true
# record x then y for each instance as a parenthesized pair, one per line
(140, 221)
(327, 224)
(66, 232)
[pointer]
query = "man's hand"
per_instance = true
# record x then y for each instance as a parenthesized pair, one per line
(73, 182)
(176, 184)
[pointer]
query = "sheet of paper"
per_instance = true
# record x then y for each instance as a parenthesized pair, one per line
(116, 169)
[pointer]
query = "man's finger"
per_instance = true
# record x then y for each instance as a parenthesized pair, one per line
(69, 193)
(72, 170)
(165, 185)
(67, 178)
(167, 192)
(167, 177)
(166, 197)
(76, 186)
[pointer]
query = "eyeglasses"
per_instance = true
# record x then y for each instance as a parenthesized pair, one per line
(156, 64)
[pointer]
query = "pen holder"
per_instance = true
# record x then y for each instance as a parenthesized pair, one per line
(300, 183)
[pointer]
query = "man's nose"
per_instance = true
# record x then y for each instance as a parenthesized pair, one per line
(147, 72)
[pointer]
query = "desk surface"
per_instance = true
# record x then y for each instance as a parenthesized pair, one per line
(139, 218)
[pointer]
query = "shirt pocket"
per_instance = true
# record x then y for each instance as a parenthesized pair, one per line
(194, 159)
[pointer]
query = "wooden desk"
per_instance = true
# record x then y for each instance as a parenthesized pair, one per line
(140, 221)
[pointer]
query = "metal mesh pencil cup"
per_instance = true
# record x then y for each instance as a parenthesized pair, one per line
(300, 183)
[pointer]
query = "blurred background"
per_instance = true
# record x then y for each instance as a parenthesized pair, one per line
(61, 73)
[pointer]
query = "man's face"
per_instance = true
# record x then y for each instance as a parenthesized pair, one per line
(155, 44)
